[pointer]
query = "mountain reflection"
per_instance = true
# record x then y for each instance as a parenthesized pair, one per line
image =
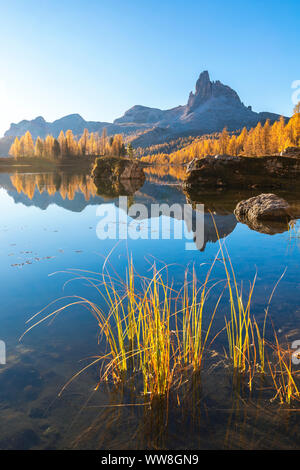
(74, 191)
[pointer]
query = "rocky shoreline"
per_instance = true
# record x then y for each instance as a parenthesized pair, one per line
(261, 210)
(227, 171)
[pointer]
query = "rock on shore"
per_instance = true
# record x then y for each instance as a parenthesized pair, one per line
(226, 171)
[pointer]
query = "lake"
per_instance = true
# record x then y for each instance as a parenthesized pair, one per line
(50, 240)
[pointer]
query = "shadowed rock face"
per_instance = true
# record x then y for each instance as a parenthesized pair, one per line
(115, 168)
(206, 90)
(243, 172)
(265, 213)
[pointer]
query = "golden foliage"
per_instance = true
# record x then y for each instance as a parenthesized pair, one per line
(258, 141)
(67, 145)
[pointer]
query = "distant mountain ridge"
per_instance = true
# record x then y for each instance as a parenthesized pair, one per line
(40, 127)
(209, 109)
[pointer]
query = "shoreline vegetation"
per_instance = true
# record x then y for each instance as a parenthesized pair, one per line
(67, 147)
(158, 338)
(262, 140)
(255, 142)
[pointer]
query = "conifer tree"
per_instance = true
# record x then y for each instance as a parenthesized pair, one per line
(103, 144)
(28, 145)
(56, 149)
(130, 150)
(83, 141)
(39, 148)
(224, 140)
(62, 144)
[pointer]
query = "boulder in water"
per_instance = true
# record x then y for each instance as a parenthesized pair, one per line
(265, 213)
(117, 176)
(117, 168)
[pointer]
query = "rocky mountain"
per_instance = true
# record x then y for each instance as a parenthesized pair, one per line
(210, 108)
(5, 144)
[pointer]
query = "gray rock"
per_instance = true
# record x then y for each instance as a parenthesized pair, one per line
(291, 152)
(263, 207)
(226, 158)
(265, 213)
(206, 90)
(190, 166)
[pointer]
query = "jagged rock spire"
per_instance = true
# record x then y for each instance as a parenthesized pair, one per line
(205, 89)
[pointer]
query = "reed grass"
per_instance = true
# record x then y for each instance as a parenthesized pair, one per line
(246, 343)
(158, 335)
(135, 322)
(283, 375)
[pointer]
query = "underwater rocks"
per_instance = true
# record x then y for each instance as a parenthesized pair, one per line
(21, 438)
(227, 171)
(19, 383)
(266, 213)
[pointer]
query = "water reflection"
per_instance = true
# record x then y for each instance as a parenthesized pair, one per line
(40, 214)
(166, 173)
(65, 184)
(225, 201)
(75, 191)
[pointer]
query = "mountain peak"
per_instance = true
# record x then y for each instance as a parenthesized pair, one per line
(206, 89)
(75, 117)
(202, 92)
(203, 81)
(39, 119)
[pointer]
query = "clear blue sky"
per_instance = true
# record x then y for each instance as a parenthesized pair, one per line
(98, 58)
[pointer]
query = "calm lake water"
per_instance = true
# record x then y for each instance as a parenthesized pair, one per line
(49, 225)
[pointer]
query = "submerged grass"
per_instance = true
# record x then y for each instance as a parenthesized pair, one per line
(283, 375)
(158, 335)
